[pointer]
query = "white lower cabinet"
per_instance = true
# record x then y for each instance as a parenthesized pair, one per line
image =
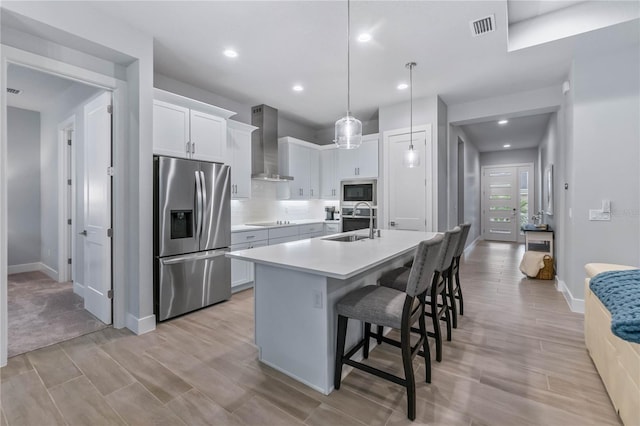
(331, 228)
(241, 271)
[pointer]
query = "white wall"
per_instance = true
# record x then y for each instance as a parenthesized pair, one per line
(443, 175)
(263, 206)
(603, 162)
(471, 175)
(23, 184)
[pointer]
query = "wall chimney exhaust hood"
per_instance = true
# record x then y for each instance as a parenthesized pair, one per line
(264, 145)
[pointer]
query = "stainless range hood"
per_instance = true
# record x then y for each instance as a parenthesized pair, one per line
(264, 145)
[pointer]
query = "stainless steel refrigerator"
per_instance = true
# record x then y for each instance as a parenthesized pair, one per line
(192, 219)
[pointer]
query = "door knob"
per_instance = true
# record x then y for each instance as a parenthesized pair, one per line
(83, 233)
(392, 223)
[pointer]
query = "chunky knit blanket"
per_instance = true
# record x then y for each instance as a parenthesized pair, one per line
(619, 291)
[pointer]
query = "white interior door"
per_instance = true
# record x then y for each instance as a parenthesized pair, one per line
(500, 203)
(97, 212)
(407, 186)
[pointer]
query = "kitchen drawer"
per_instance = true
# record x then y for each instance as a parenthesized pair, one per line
(311, 228)
(274, 241)
(284, 231)
(249, 236)
(331, 228)
(311, 235)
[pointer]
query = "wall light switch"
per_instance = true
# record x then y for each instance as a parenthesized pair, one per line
(317, 299)
(606, 206)
(599, 215)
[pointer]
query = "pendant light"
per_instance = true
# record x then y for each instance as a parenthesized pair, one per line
(348, 128)
(411, 156)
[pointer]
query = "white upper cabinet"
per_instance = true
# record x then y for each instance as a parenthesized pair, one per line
(170, 129)
(208, 137)
(314, 173)
(300, 160)
(187, 128)
(239, 154)
(329, 182)
(361, 162)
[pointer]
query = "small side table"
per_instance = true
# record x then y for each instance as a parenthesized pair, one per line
(538, 240)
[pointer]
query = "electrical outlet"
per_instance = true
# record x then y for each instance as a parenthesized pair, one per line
(599, 215)
(317, 299)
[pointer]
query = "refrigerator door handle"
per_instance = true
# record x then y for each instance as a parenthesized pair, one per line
(198, 205)
(203, 206)
(193, 256)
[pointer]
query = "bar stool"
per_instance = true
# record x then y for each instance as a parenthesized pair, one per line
(454, 291)
(388, 307)
(438, 311)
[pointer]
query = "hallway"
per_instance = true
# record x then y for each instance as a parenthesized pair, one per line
(517, 357)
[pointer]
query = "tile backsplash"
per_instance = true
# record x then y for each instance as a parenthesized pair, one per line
(264, 206)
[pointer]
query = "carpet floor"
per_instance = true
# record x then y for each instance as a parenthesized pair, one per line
(43, 312)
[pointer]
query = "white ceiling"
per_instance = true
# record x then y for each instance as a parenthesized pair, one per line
(38, 88)
(282, 43)
(520, 133)
(521, 10)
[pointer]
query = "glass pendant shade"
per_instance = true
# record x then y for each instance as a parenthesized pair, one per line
(348, 132)
(411, 158)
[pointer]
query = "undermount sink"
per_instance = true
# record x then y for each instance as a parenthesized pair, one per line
(347, 238)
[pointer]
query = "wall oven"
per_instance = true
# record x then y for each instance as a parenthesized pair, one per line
(353, 191)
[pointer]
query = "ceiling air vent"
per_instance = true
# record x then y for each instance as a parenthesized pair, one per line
(483, 26)
(13, 91)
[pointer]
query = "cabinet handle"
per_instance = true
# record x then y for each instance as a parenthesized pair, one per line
(188, 147)
(193, 148)
(250, 237)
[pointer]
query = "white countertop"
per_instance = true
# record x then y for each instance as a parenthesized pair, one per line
(295, 222)
(335, 259)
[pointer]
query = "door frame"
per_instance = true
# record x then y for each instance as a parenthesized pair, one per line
(66, 248)
(431, 215)
(532, 198)
(120, 145)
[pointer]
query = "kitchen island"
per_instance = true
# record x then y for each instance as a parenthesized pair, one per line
(297, 285)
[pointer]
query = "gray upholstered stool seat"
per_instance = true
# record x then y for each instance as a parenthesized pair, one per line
(375, 305)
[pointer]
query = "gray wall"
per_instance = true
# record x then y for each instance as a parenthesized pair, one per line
(471, 176)
(23, 186)
(442, 153)
(603, 162)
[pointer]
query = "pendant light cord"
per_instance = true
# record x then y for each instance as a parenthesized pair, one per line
(348, 57)
(411, 106)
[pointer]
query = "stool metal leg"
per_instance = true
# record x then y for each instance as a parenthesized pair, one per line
(379, 337)
(433, 303)
(367, 337)
(425, 345)
(452, 301)
(408, 372)
(342, 336)
(459, 293)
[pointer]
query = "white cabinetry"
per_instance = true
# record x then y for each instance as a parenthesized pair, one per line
(331, 228)
(239, 155)
(241, 271)
(187, 128)
(329, 182)
(300, 160)
(361, 162)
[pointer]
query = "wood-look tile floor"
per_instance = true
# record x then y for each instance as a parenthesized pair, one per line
(517, 358)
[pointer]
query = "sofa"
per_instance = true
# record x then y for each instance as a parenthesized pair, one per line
(617, 360)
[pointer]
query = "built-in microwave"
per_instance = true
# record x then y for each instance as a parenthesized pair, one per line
(353, 191)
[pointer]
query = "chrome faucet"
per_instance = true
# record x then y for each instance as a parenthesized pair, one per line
(371, 231)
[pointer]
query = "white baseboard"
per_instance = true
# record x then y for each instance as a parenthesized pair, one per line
(576, 305)
(141, 325)
(473, 244)
(32, 267)
(241, 287)
(78, 289)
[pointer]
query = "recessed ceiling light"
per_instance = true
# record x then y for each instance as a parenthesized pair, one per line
(506, 145)
(298, 88)
(230, 53)
(364, 37)
(503, 122)
(403, 86)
